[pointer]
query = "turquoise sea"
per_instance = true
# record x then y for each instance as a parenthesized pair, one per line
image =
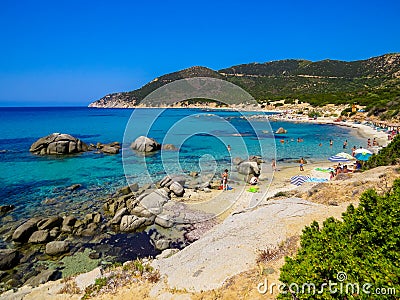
(201, 136)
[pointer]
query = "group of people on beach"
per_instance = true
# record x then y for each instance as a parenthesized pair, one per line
(374, 142)
(344, 169)
(337, 170)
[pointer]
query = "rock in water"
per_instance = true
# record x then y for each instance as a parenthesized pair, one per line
(6, 208)
(112, 148)
(57, 247)
(145, 144)
(23, 232)
(8, 259)
(170, 147)
(38, 237)
(58, 143)
(281, 130)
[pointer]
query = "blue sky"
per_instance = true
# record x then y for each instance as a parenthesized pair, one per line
(76, 51)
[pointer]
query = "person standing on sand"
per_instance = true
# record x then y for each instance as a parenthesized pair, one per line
(301, 164)
(273, 165)
(224, 180)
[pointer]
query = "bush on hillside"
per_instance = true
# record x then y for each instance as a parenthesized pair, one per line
(360, 251)
(387, 156)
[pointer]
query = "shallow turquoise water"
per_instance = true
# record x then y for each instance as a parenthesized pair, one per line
(201, 136)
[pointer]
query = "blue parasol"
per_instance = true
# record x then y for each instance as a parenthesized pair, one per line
(362, 154)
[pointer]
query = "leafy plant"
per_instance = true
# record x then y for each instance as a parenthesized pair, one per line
(280, 194)
(390, 155)
(364, 248)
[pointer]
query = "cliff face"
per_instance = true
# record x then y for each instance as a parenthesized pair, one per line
(282, 79)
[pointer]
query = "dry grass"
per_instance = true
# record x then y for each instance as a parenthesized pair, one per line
(350, 189)
(70, 287)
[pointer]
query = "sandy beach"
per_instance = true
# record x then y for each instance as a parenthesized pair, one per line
(362, 130)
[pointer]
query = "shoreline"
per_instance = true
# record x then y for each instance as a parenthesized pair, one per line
(362, 130)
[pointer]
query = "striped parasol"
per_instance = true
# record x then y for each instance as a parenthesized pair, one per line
(345, 155)
(299, 179)
(336, 158)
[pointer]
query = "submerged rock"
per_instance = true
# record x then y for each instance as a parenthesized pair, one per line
(169, 147)
(58, 143)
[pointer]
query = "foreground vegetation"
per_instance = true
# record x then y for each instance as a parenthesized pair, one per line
(357, 258)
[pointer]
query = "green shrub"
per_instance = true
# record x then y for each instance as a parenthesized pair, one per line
(364, 246)
(390, 155)
(314, 114)
(280, 194)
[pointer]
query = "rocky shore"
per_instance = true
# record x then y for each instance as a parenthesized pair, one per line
(155, 217)
(205, 264)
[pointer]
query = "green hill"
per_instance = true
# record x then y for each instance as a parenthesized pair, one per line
(374, 82)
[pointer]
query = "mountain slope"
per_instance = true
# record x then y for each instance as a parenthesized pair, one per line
(133, 98)
(374, 82)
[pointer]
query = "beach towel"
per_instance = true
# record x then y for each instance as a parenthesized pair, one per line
(253, 189)
(314, 179)
(325, 170)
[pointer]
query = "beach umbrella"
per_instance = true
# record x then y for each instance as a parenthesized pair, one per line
(338, 159)
(299, 179)
(345, 155)
(363, 155)
(363, 151)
